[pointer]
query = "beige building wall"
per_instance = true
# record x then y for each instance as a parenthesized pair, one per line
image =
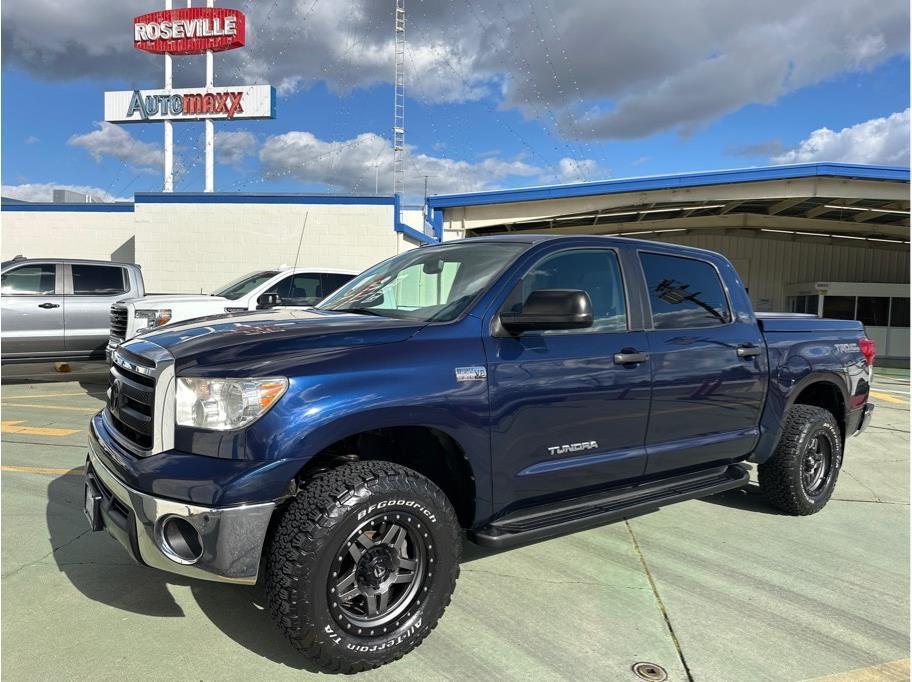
(193, 247)
(67, 234)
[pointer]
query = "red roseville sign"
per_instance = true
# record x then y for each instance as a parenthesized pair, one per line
(191, 30)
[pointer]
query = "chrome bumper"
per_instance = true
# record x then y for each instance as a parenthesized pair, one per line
(231, 537)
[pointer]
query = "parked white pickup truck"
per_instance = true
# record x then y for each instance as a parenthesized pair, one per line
(283, 286)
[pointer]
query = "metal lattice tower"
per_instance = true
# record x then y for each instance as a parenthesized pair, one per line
(399, 99)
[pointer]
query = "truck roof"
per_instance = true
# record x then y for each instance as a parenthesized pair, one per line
(79, 261)
(611, 239)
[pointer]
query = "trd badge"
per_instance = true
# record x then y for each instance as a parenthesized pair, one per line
(471, 374)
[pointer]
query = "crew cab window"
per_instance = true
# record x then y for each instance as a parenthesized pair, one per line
(333, 280)
(594, 271)
(684, 293)
(34, 280)
(97, 280)
(302, 285)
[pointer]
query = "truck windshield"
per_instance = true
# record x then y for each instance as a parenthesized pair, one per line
(244, 285)
(426, 284)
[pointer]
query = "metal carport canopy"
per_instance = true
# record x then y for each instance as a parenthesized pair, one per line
(826, 199)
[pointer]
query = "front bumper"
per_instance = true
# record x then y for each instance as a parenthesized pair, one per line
(231, 537)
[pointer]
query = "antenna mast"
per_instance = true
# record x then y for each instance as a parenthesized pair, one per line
(399, 99)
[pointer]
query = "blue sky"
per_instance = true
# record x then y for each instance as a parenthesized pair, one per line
(474, 119)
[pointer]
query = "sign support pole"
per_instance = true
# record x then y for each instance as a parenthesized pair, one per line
(210, 126)
(169, 134)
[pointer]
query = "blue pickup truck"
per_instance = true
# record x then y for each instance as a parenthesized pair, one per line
(508, 388)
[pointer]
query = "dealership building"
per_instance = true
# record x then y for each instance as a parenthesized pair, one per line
(831, 239)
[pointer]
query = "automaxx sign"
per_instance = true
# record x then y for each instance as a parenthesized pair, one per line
(190, 31)
(190, 104)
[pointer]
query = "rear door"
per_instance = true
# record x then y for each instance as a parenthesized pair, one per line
(708, 365)
(32, 310)
(90, 291)
(566, 416)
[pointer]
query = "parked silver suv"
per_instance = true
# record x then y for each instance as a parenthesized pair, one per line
(59, 309)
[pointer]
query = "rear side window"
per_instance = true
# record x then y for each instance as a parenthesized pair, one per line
(594, 271)
(684, 293)
(35, 280)
(97, 280)
(332, 281)
(302, 285)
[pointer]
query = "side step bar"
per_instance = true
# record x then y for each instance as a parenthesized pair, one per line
(538, 523)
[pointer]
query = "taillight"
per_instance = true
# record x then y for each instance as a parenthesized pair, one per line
(868, 349)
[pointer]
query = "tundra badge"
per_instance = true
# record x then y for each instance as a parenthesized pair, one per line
(572, 447)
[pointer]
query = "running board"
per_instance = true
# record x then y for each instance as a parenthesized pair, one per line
(538, 523)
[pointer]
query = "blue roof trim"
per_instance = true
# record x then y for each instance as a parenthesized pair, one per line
(660, 182)
(402, 228)
(220, 198)
(72, 208)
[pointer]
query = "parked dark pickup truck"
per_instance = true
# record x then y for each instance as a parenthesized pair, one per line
(515, 387)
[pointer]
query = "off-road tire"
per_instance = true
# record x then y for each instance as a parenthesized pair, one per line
(780, 477)
(311, 535)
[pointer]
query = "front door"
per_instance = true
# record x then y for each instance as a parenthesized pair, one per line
(32, 310)
(89, 297)
(566, 417)
(709, 367)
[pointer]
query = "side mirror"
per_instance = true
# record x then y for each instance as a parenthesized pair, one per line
(267, 300)
(550, 309)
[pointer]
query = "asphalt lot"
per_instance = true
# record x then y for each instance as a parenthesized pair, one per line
(716, 589)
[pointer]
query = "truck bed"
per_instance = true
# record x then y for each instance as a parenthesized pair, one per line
(800, 322)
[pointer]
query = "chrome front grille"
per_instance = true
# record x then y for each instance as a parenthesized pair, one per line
(118, 324)
(140, 405)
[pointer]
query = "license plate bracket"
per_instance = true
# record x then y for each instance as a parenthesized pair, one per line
(92, 507)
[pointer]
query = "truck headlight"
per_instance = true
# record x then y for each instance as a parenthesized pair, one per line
(222, 404)
(152, 318)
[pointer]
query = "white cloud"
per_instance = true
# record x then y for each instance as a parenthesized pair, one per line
(355, 165)
(232, 147)
(599, 69)
(879, 140)
(31, 139)
(45, 191)
(114, 140)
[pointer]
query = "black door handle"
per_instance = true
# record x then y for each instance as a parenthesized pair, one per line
(748, 351)
(629, 357)
(48, 306)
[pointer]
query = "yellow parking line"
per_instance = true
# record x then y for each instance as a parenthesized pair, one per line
(43, 470)
(13, 427)
(889, 398)
(50, 407)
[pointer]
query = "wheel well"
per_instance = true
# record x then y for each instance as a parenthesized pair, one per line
(826, 395)
(430, 452)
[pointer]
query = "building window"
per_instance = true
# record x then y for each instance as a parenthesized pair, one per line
(839, 307)
(899, 312)
(873, 311)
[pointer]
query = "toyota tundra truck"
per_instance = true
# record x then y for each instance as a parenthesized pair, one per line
(508, 389)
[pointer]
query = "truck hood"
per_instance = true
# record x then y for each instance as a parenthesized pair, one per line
(173, 300)
(255, 337)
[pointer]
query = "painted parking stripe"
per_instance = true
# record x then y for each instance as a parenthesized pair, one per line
(889, 398)
(51, 407)
(43, 470)
(13, 427)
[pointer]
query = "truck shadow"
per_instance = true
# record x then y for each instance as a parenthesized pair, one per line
(748, 498)
(100, 569)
